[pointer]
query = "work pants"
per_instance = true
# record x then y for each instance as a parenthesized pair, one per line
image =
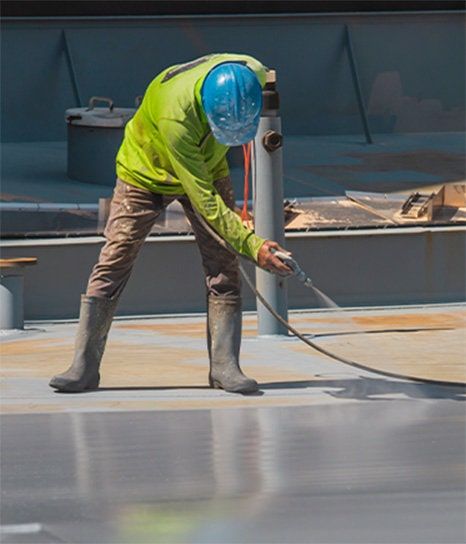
(133, 212)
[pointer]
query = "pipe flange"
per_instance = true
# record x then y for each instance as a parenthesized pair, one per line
(272, 140)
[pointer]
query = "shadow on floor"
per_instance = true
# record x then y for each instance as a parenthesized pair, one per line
(360, 388)
(366, 388)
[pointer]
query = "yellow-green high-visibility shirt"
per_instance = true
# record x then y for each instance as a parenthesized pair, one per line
(169, 148)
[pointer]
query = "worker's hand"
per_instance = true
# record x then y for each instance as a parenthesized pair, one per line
(267, 260)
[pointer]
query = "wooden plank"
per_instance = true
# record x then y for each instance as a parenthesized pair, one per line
(19, 261)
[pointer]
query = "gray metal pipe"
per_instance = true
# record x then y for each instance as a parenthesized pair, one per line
(11, 299)
(268, 208)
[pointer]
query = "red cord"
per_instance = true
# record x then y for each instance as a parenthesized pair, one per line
(247, 163)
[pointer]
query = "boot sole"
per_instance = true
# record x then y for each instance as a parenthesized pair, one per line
(73, 388)
(253, 388)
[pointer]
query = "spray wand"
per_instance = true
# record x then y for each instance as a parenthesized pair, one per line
(293, 265)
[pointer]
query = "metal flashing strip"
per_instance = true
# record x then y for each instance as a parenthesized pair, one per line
(376, 231)
(84, 240)
(119, 18)
(89, 240)
(46, 206)
(252, 313)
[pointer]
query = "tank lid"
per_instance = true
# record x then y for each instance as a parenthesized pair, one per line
(99, 116)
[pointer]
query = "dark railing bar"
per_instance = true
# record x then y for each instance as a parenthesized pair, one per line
(71, 70)
(357, 85)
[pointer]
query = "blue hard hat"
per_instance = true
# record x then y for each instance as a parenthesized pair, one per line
(232, 101)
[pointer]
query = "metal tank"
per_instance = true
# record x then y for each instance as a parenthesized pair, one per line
(94, 137)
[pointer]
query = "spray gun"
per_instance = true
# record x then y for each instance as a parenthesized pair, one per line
(297, 271)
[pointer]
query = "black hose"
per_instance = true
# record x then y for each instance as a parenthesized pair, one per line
(329, 353)
(296, 333)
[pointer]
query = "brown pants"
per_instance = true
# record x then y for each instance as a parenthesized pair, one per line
(133, 212)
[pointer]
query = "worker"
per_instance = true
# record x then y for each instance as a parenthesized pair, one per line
(175, 148)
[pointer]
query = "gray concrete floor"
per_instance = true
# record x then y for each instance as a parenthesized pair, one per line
(324, 453)
(388, 471)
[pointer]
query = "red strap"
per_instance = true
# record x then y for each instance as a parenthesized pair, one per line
(247, 163)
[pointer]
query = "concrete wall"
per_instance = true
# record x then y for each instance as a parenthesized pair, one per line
(411, 67)
(355, 268)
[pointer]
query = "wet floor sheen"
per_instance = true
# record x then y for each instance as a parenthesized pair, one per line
(368, 472)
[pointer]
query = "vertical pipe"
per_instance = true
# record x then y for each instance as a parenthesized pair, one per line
(71, 70)
(268, 209)
(357, 85)
(11, 299)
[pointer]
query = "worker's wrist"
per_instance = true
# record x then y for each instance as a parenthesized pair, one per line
(254, 243)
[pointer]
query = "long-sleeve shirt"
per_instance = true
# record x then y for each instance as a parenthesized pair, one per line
(169, 148)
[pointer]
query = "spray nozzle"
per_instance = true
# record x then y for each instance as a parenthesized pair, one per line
(296, 270)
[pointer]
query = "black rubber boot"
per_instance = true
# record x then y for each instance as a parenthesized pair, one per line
(95, 319)
(224, 340)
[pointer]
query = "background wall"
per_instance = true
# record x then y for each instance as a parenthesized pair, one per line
(411, 68)
(405, 61)
(362, 268)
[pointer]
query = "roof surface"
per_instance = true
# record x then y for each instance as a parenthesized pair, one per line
(161, 363)
(324, 453)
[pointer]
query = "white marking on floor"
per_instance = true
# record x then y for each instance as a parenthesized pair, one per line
(21, 529)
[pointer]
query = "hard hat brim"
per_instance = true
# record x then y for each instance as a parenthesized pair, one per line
(235, 137)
